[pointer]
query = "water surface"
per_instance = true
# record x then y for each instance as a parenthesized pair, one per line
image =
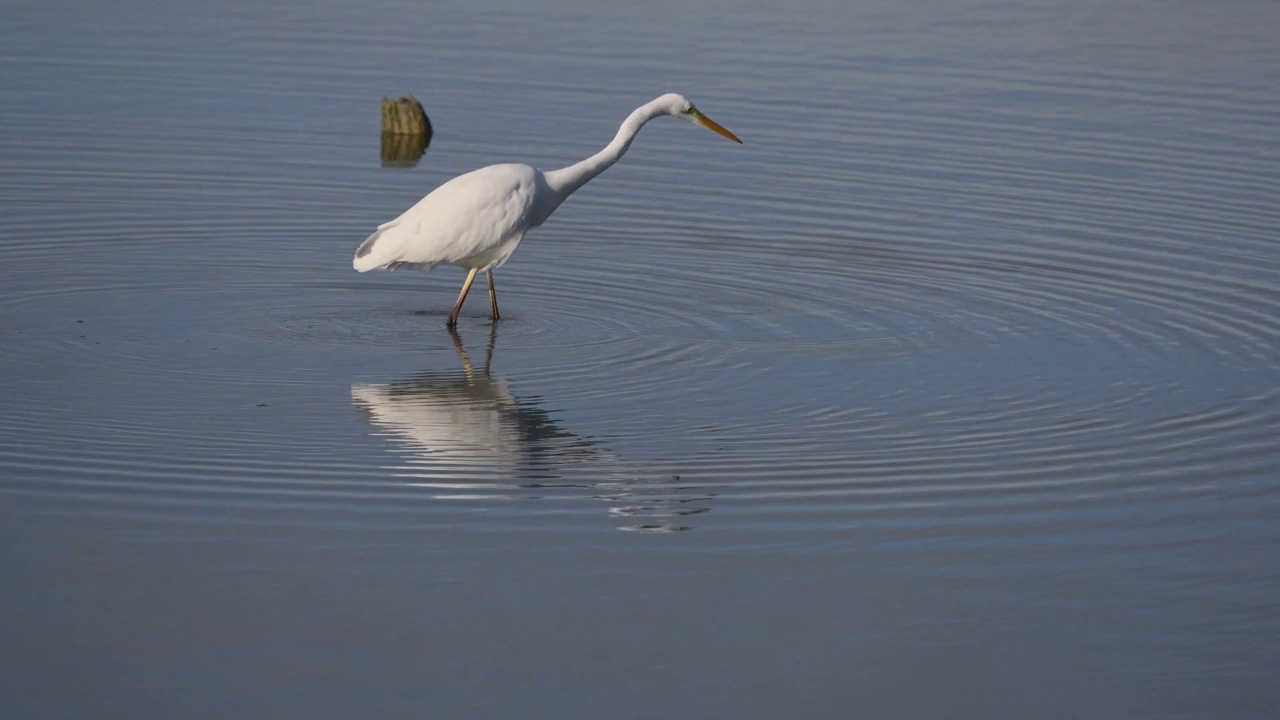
(954, 391)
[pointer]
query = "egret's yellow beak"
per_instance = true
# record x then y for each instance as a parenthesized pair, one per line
(712, 125)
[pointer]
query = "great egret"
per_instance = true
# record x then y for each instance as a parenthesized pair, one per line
(476, 220)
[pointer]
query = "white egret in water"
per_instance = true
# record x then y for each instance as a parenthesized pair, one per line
(476, 220)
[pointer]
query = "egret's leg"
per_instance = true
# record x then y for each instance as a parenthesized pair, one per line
(462, 296)
(493, 295)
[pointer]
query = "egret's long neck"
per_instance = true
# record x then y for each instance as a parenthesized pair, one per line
(566, 180)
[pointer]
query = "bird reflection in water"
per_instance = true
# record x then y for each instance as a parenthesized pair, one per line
(469, 437)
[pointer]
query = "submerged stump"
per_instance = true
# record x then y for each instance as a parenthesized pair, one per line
(405, 116)
(406, 131)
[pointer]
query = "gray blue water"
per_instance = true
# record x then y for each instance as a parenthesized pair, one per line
(953, 392)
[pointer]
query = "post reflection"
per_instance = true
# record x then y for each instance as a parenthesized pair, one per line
(402, 151)
(465, 434)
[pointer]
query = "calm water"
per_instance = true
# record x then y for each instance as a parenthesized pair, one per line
(955, 391)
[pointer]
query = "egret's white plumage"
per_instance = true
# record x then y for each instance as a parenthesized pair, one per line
(476, 220)
(442, 228)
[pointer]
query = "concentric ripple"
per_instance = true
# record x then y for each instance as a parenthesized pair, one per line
(1005, 290)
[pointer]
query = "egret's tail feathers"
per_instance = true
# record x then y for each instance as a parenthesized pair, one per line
(366, 259)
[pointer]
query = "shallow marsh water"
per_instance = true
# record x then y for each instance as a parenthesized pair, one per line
(953, 392)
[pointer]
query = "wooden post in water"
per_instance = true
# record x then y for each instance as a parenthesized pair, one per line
(406, 131)
(405, 116)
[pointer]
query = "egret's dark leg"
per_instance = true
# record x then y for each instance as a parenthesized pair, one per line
(462, 296)
(493, 296)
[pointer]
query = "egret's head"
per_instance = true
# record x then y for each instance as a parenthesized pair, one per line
(679, 106)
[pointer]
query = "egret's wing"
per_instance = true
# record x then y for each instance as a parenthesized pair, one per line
(366, 247)
(472, 215)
